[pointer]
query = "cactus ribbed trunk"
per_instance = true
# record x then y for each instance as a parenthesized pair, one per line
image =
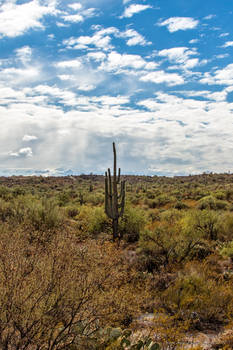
(114, 202)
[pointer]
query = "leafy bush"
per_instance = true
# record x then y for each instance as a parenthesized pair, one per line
(44, 215)
(131, 224)
(5, 193)
(207, 202)
(197, 297)
(205, 224)
(227, 250)
(92, 221)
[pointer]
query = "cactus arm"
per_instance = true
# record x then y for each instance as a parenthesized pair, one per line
(119, 175)
(122, 204)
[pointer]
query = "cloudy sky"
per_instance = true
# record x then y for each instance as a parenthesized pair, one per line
(154, 76)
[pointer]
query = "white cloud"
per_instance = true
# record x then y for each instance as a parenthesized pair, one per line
(77, 13)
(69, 64)
(209, 17)
(134, 8)
(75, 6)
(160, 77)
(111, 100)
(177, 54)
(86, 87)
(84, 42)
(181, 56)
(97, 56)
(193, 41)
(134, 38)
(17, 19)
(179, 23)
(28, 138)
(66, 97)
(24, 54)
(73, 18)
(220, 76)
(223, 35)
(228, 44)
(23, 153)
(117, 62)
(20, 75)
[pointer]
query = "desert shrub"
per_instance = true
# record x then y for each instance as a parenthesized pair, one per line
(180, 205)
(131, 224)
(5, 193)
(171, 216)
(99, 222)
(118, 339)
(63, 198)
(194, 296)
(150, 195)
(18, 191)
(205, 223)
(166, 246)
(6, 210)
(151, 203)
(92, 221)
(95, 198)
(227, 250)
(44, 214)
(226, 226)
(207, 202)
(164, 199)
(224, 340)
(71, 211)
(221, 205)
(220, 195)
(153, 215)
(60, 294)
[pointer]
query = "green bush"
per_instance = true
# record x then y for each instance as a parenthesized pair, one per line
(99, 222)
(204, 223)
(5, 193)
(44, 214)
(131, 224)
(207, 202)
(92, 221)
(197, 297)
(227, 250)
(6, 210)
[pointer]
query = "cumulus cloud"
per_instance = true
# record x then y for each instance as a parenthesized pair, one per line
(159, 77)
(220, 76)
(174, 24)
(228, 43)
(28, 138)
(69, 64)
(75, 6)
(117, 62)
(98, 40)
(181, 56)
(133, 38)
(24, 54)
(134, 8)
(23, 153)
(16, 76)
(102, 39)
(16, 19)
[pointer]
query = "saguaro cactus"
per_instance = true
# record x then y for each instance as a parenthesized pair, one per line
(114, 201)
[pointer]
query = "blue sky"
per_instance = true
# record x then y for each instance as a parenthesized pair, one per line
(154, 76)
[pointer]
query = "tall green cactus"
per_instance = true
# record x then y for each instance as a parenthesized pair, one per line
(114, 202)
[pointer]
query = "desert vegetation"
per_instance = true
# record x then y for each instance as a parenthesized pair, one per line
(65, 283)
